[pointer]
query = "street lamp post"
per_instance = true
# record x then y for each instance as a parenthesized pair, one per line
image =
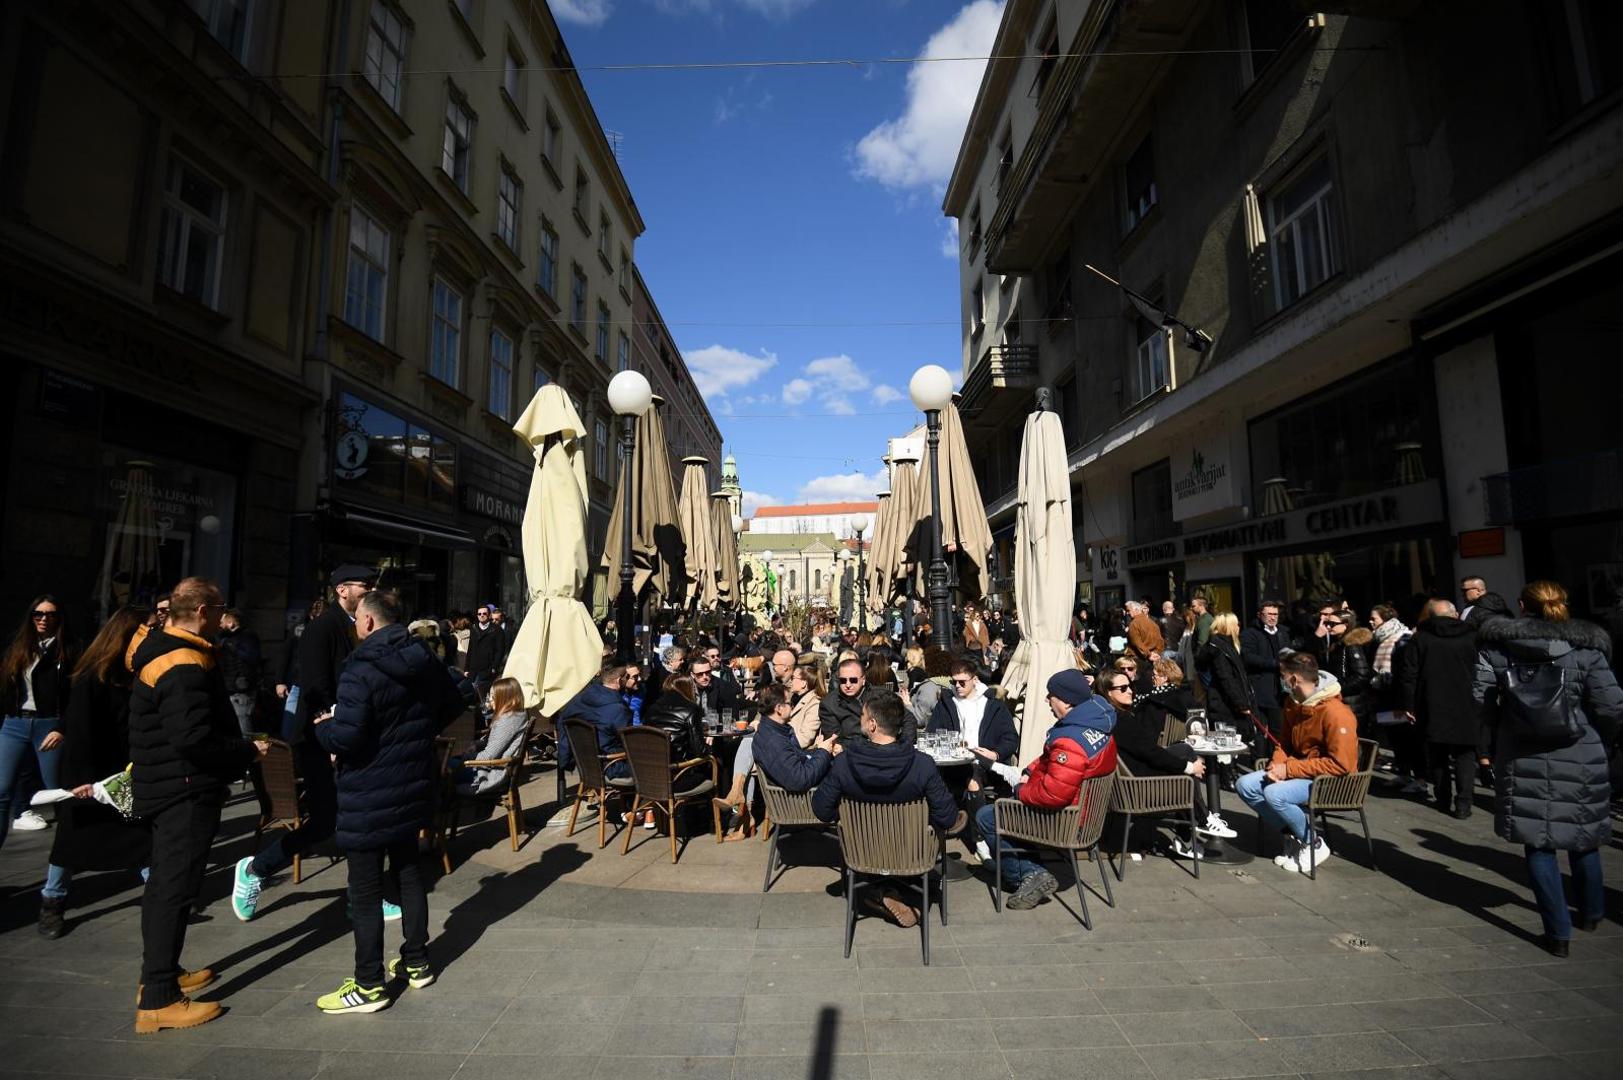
(859, 525)
(629, 396)
(931, 391)
(769, 582)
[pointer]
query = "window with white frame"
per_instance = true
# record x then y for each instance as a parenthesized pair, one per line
(1149, 359)
(513, 78)
(625, 353)
(227, 22)
(509, 196)
(603, 332)
(458, 142)
(501, 375)
(577, 300)
(366, 288)
(547, 276)
(386, 52)
(583, 194)
(1304, 232)
(193, 248)
(600, 457)
(445, 346)
(551, 138)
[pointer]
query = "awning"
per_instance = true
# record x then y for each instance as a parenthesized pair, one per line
(404, 527)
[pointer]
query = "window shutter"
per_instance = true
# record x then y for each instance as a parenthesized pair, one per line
(1257, 255)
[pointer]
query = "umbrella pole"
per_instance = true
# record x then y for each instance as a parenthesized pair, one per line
(940, 605)
(626, 617)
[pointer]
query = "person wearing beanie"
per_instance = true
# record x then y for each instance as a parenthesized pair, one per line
(1078, 748)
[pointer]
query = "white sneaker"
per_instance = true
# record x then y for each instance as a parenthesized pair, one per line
(983, 851)
(1286, 859)
(1185, 851)
(1216, 826)
(29, 821)
(1319, 855)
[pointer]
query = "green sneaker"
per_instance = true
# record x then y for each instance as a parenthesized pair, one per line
(391, 912)
(245, 890)
(418, 976)
(352, 997)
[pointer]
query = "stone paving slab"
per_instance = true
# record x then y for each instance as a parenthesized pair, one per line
(563, 961)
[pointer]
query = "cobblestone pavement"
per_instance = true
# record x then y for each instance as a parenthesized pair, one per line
(562, 961)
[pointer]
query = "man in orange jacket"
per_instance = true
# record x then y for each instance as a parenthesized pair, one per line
(1320, 739)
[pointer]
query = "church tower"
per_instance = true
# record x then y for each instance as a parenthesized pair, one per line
(730, 486)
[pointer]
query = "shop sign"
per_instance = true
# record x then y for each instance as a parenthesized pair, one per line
(1412, 504)
(1482, 543)
(1109, 565)
(1202, 479)
(488, 504)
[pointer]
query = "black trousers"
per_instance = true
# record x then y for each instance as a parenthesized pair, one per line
(320, 805)
(1273, 718)
(1453, 765)
(366, 907)
(181, 836)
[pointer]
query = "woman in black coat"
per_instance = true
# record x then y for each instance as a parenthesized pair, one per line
(90, 835)
(1347, 657)
(1552, 794)
(1228, 688)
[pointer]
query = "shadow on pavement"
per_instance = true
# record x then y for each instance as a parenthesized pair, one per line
(497, 897)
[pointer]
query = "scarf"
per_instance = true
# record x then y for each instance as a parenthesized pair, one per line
(1387, 638)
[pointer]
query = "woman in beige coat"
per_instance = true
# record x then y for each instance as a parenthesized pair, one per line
(807, 686)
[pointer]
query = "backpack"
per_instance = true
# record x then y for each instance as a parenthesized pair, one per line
(1534, 698)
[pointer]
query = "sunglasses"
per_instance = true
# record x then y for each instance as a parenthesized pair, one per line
(45, 614)
(962, 682)
(850, 682)
(1121, 688)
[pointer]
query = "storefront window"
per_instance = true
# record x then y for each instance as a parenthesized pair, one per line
(1400, 572)
(1372, 432)
(1152, 503)
(380, 455)
(166, 520)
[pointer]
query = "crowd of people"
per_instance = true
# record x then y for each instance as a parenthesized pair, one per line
(1527, 701)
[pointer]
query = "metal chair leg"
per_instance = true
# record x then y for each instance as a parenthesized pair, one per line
(1104, 876)
(942, 871)
(1369, 845)
(771, 860)
(1081, 893)
(850, 911)
(924, 916)
(1123, 855)
(997, 875)
(1194, 842)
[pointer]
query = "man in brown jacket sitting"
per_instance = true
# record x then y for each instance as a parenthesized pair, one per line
(1320, 739)
(1143, 635)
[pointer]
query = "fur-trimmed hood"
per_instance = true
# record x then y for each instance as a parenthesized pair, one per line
(1540, 636)
(1358, 637)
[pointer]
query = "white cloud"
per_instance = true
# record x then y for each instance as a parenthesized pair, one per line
(796, 391)
(771, 9)
(726, 109)
(918, 148)
(753, 501)
(845, 487)
(582, 12)
(885, 394)
(838, 372)
(775, 9)
(949, 240)
(717, 369)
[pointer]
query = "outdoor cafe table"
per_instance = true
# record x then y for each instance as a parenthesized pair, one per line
(1215, 851)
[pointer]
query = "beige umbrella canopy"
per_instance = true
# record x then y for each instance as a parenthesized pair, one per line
(698, 524)
(656, 538)
(964, 530)
(558, 649)
(875, 582)
(721, 512)
(1044, 576)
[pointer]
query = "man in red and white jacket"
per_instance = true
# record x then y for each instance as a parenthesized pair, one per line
(1078, 748)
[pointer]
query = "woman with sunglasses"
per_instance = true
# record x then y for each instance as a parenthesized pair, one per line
(34, 681)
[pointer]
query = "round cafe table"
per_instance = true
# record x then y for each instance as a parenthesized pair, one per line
(956, 771)
(1215, 850)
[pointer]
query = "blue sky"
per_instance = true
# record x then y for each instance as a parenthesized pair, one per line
(790, 210)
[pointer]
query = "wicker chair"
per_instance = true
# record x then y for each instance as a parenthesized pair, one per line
(657, 780)
(1342, 795)
(891, 840)
(1075, 828)
(506, 795)
(1140, 796)
(1175, 730)
(277, 786)
(785, 809)
(582, 738)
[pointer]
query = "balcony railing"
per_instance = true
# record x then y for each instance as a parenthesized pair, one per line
(1592, 484)
(1010, 366)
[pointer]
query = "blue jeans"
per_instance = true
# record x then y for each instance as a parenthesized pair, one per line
(1015, 867)
(1277, 802)
(19, 737)
(1545, 870)
(57, 880)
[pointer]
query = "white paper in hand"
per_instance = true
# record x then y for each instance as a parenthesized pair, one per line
(49, 796)
(1008, 772)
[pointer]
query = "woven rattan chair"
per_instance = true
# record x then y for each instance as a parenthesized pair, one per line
(659, 780)
(1073, 829)
(1175, 730)
(582, 738)
(785, 809)
(506, 795)
(891, 840)
(277, 786)
(1342, 795)
(1144, 796)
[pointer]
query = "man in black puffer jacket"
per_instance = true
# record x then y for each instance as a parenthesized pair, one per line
(185, 747)
(394, 697)
(1437, 674)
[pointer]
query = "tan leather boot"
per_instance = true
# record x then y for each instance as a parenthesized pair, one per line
(184, 1013)
(190, 983)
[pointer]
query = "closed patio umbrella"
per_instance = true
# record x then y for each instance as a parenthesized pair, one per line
(1044, 576)
(896, 562)
(721, 513)
(558, 649)
(964, 529)
(875, 582)
(656, 538)
(698, 523)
